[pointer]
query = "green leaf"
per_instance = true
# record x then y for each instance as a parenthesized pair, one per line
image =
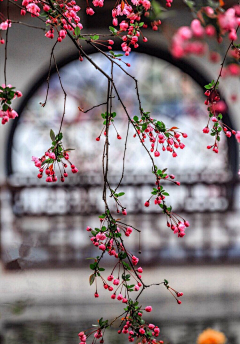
(165, 194)
(95, 37)
(91, 279)
(5, 107)
(101, 269)
(69, 149)
(59, 137)
(118, 55)
(135, 118)
(113, 114)
(122, 255)
(144, 126)
(189, 3)
(52, 135)
(121, 194)
(102, 216)
(47, 161)
(113, 30)
(77, 31)
(156, 7)
(93, 265)
(83, 38)
(126, 265)
(11, 94)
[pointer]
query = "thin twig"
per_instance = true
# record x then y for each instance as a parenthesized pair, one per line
(49, 74)
(64, 92)
(93, 107)
(124, 156)
(28, 25)
(6, 44)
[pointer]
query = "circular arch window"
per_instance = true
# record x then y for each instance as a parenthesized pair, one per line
(172, 93)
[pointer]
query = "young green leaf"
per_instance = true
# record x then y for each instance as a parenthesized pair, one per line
(91, 279)
(52, 135)
(77, 31)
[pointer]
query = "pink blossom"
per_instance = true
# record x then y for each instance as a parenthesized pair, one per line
(102, 247)
(116, 281)
(197, 29)
(185, 32)
(210, 30)
(34, 9)
(227, 21)
(90, 11)
(120, 297)
(134, 260)
(238, 136)
(101, 236)
(148, 308)
(5, 25)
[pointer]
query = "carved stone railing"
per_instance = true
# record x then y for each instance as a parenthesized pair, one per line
(44, 225)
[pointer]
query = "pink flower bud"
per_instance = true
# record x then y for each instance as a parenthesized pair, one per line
(148, 309)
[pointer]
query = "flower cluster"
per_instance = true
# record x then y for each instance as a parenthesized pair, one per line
(108, 238)
(108, 119)
(212, 22)
(158, 134)
(55, 155)
(130, 29)
(174, 221)
(216, 108)
(62, 16)
(7, 94)
(124, 278)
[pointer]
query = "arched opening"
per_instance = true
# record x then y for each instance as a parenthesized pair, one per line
(173, 92)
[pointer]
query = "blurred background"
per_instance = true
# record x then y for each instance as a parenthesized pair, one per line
(44, 291)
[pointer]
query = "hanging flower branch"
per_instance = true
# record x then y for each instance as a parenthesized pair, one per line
(60, 19)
